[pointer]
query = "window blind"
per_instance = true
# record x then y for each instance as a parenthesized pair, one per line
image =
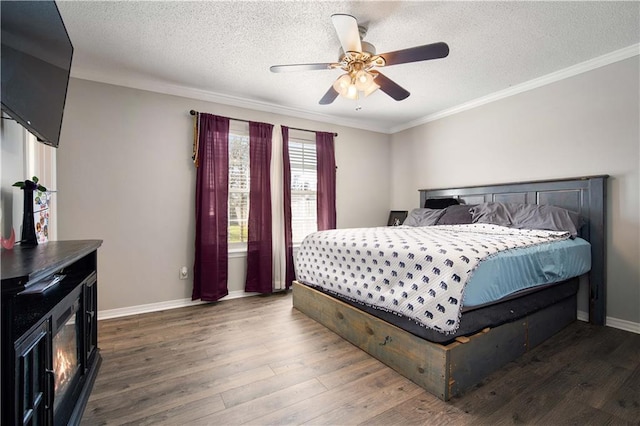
(304, 183)
(238, 203)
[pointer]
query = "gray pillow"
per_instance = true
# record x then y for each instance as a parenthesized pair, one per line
(456, 215)
(494, 213)
(423, 217)
(527, 216)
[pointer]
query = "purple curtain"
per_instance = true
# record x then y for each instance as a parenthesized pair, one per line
(326, 181)
(259, 249)
(210, 266)
(286, 195)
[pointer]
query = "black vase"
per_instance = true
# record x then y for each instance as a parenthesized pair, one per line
(28, 225)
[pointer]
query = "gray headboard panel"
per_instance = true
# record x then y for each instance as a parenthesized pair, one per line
(584, 195)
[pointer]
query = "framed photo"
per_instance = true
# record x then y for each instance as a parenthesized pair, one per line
(396, 217)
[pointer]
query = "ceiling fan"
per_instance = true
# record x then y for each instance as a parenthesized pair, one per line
(358, 59)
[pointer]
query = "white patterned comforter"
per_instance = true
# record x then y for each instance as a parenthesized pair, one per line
(417, 272)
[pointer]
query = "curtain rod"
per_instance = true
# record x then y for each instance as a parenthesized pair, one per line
(194, 112)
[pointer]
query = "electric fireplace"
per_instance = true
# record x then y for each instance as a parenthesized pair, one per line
(50, 355)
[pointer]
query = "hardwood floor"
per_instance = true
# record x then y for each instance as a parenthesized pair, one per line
(259, 361)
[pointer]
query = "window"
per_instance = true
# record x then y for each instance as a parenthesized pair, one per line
(40, 161)
(238, 203)
(304, 184)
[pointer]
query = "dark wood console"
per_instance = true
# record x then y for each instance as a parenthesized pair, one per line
(50, 355)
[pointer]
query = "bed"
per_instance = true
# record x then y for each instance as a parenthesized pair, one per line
(449, 365)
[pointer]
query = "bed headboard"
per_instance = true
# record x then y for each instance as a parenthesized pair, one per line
(584, 195)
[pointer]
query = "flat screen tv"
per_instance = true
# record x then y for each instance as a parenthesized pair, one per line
(35, 65)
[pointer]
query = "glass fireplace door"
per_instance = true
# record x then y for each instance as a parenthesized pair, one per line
(33, 393)
(66, 352)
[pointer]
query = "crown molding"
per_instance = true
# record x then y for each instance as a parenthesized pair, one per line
(600, 61)
(219, 98)
(236, 101)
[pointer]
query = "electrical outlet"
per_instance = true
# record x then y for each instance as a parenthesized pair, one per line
(184, 273)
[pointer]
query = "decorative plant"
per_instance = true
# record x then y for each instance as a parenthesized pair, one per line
(32, 184)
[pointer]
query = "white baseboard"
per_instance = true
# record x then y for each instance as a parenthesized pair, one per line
(583, 316)
(620, 324)
(163, 306)
(625, 325)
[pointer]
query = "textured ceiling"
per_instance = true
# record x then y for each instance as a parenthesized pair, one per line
(223, 49)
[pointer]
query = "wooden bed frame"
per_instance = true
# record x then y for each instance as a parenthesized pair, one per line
(448, 370)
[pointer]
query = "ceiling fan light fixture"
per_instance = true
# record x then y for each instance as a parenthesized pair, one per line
(352, 92)
(372, 88)
(346, 87)
(341, 85)
(349, 85)
(363, 80)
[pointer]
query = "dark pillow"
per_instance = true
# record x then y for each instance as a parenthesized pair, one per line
(456, 215)
(439, 203)
(528, 216)
(423, 217)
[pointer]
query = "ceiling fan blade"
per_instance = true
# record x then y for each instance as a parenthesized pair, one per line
(302, 67)
(415, 54)
(390, 87)
(347, 28)
(329, 97)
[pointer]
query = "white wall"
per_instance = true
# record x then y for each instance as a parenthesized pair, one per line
(585, 125)
(125, 176)
(12, 139)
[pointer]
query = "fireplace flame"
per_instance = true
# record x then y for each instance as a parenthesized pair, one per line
(63, 365)
(65, 358)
